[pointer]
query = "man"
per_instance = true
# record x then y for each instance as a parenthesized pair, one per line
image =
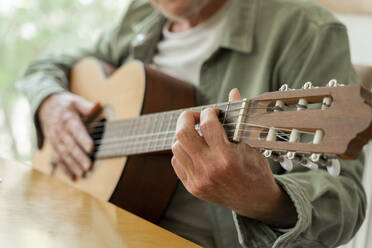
(218, 45)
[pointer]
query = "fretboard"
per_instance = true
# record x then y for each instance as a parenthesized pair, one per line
(151, 132)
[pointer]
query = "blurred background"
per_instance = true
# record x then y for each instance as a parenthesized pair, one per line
(28, 29)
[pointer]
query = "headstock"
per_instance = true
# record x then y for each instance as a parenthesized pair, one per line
(312, 125)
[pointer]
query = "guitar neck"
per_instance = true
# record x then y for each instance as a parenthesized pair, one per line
(148, 133)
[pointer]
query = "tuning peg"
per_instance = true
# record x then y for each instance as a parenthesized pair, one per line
(335, 168)
(307, 85)
(315, 157)
(290, 155)
(333, 83)
(310, 165)
(286, 163)
(267, 153)
(284, 87)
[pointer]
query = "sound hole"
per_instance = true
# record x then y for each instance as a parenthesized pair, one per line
(96, 130)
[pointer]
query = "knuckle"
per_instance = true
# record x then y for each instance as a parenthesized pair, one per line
(60, 148)
(206, 125)
(202, 186)
(66, 117)
(212, 173)
(183, 115)
(175, 147)
(187, 113)
(173, 161)
(182, 133)
(227, 161)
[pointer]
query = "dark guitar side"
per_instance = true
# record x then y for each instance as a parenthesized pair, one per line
(148, 180)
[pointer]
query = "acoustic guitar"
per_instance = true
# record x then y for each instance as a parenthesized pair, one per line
(134, 132)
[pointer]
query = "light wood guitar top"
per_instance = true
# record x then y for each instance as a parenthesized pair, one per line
(39, 211)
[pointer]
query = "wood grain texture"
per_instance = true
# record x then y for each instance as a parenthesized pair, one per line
(348, 6)
(124, 92)
(148, 180)
(347, 123)
(142, 186)
(37, 211)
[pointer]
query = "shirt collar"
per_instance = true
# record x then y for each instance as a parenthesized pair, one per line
(238, 33)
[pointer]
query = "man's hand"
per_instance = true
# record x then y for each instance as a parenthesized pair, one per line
(61, 116)
(234, 175)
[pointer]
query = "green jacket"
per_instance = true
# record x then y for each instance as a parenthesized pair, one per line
(266, 43)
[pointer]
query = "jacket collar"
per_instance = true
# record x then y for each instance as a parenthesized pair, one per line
(238, 34)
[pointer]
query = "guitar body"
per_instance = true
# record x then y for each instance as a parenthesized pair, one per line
(141, 184)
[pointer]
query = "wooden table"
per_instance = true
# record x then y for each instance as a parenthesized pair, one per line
(38, 211)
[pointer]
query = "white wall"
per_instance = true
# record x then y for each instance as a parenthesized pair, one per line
(360, 34)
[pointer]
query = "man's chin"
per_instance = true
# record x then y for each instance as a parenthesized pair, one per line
(183, 17)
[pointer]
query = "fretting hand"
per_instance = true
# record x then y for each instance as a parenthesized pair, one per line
(234, 175)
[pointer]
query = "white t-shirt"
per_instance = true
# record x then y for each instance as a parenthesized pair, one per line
(181, 55)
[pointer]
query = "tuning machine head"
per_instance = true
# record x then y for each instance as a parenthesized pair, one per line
(335, 168)
(333, 83)
(286, 163)
(307, 85)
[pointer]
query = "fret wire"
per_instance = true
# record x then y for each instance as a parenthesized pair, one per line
(155, 148)
(225, 114)
(136, 147)
(115, 124)
(180, 111)
(168, 128)
(227, 118)
(280, 135)
(250, 125)
(128, 122)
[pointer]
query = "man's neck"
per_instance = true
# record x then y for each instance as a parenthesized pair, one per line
(199, 17)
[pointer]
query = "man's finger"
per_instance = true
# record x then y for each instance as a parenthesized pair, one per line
(212, 130)
(187, 135)
(66, 170)
(65, 156)
(85, 107)
(77, 153)
(183, 158)
(234, 95)
(79, 132)
(181, 174)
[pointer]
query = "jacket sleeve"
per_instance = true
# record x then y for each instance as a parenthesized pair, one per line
(330, 209)
(50, 74)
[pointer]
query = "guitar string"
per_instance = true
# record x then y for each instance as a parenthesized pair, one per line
(134, 147)
(100, 130)
(129, 138)
(164, 146)
(279, 135)
(135, 150)
(97, 124)
(149, 135)
(232, 103)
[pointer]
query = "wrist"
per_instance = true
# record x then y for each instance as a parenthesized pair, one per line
(275, 209)
(280, 211)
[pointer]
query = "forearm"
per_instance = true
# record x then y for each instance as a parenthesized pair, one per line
(330, 209)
